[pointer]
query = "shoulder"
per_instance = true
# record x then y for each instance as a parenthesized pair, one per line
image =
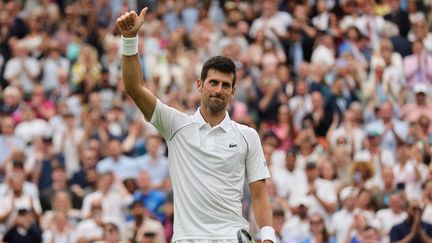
(245, 130)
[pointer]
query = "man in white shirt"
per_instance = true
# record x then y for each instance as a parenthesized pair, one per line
(342, 219)
(386, 218)
(210, 156)
(285, 178)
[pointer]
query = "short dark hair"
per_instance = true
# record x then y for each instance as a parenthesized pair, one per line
(221, 64)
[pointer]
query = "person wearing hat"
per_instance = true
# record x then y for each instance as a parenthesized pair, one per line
(296, 227)
(341, 220)
(413, 110)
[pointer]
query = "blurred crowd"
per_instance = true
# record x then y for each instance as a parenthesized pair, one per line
(339, 91)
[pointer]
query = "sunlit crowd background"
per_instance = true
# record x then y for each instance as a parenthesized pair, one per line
(339, 91)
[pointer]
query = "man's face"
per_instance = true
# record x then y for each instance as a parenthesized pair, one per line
(7, 126)
(216, 91)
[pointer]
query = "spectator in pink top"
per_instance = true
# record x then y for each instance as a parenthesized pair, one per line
(412, 111)
(418, 66)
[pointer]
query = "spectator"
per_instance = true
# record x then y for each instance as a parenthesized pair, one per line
(141, 226)
(61, 202)
(60, 230)
(24, 229)
(67, 141)
(427, 199)
(59, 183)
(91, 228)
(122, 166)
(386, 218)
(151, 198)
(113, 200)
(22, 70)
(342, 219)
(154, 162)
(296, 228)
(383, 192)
(416, 66)
(394, 130)
(52, 64)
(413, 229)
(11, 101)
(31, 127)
(318, 231)
(9, 143)
(286, 177)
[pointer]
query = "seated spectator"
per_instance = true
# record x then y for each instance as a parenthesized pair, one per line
(151, 198)
(24, 229)
(413, 229)
(10, 101)
(386, 218)
(9, 143)
(427, 199)
(91, 229)
(140, 226)
(22, 70)
(382, 193)
(114, 200)
(154, 162)
(59, 184)
(61, 203)
(89, 159)
(318, 231)
(44, 108)
(296, 228)
(30, 127)
(342, 219)
(122, 166)
(417, 66)
(67, 141)
(60, 230)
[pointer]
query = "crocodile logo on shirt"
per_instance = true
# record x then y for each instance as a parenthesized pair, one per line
(232, 145)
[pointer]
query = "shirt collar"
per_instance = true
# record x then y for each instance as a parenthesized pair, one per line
(225, 124)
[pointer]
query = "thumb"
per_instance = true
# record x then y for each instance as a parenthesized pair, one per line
(142, 14)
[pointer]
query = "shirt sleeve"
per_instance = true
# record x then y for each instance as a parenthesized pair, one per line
(168, 120)
(256, 166)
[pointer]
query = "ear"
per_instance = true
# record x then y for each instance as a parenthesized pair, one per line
(199, 84)
(233, 90)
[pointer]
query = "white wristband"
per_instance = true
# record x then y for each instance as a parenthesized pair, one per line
(268, 233)
(129, 46)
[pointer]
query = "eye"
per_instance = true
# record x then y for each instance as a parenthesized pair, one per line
(226, 85)
(213, 82)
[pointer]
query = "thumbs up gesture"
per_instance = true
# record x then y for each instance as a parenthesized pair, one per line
(130, 23)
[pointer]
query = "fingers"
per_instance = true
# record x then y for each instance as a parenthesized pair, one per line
(143, 13)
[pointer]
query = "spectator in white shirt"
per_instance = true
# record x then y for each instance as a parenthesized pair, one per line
(285, 178)
(22, 70)
(114, 200)
(342, 219)
(386, 218)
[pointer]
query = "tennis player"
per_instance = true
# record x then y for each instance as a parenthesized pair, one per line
(210, 155)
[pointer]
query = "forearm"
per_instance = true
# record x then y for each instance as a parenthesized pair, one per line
(261, 204)
(132, 75)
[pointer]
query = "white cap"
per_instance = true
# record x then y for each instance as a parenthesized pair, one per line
(420, 88)
(347, 192)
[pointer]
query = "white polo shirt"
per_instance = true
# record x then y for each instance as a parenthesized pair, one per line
(208, 167)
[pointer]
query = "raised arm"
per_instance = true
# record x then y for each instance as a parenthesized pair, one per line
(129, 25)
